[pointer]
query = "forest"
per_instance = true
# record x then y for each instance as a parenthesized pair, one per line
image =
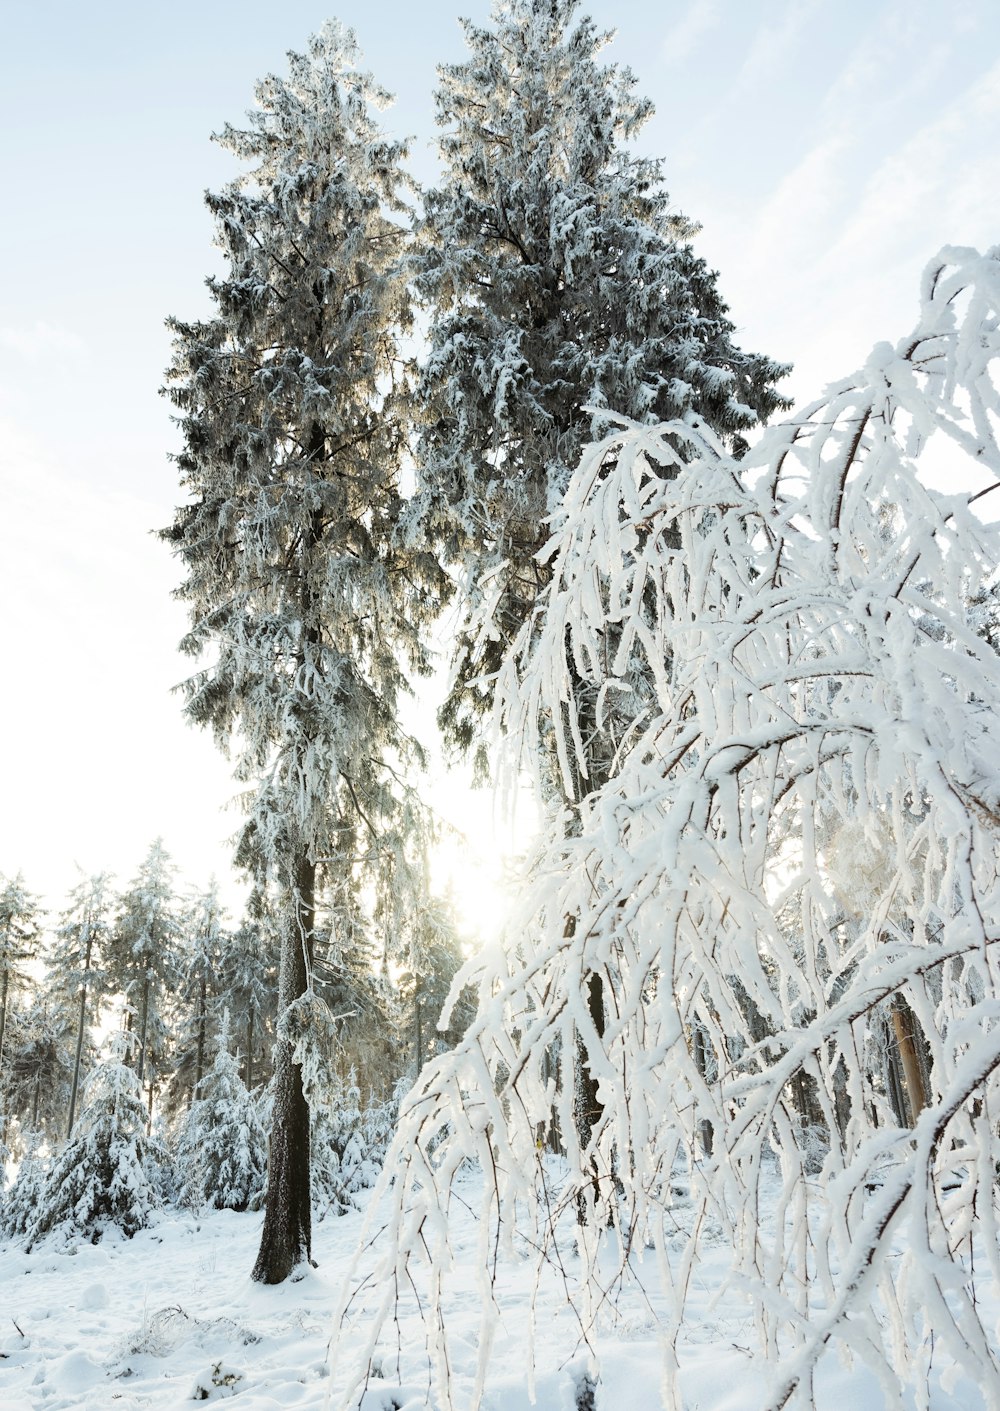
(746, 659)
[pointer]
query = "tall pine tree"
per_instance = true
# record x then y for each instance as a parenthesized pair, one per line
(564, 291)
(559, 280)
(293, 415)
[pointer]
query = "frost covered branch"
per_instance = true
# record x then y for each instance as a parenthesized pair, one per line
(789, 884)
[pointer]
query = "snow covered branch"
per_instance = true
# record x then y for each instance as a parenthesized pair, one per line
(789, 883)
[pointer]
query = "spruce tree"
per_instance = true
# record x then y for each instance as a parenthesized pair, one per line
(248, 979)
(560, 280)
(144, 959)
(109, 1172)
(564, 291)
(222, 1151)
(37, 1077)
(292, 409)
(81, 948)
(197, 998)
(20, 926)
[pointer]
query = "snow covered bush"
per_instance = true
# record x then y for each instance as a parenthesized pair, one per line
(822, 710)
(20, 1201)
(109, 1172)
(222, 1151)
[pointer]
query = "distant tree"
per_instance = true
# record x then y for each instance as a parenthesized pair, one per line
(222, 1150)
(82, 944)
(199, 993)
(19, 1208)
(37, 1078)
(825, 699)
(434, 959)
(248, 981)
(20, 928)
(294, 419)
(144, 958)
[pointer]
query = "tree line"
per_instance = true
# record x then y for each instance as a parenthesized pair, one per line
(142, 1020)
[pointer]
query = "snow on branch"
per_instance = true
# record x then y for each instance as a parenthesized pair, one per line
(788, 884)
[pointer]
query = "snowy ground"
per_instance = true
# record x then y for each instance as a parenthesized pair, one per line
(171, 1317)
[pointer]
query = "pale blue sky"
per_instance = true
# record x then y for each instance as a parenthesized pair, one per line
(827, 149)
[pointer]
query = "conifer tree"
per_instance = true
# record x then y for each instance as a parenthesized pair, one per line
(20, 1202)
(81, 948)
(20, 925)
(248, 979)
(145, 958)
(109, 1172)
(565, 292)
(197, 999)
(37, 1076)
(294, 427)
(560, 280)
(222, 1148)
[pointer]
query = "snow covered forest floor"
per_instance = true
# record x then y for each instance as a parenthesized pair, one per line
(172, 1316)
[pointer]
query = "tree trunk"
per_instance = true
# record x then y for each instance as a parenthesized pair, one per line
(286, 1239)
(249, 1079)
(143, 1025)
(3, 1012)
(904, 1024)
(81, 1025)
(589, 1109)
(199, 1062)
(706, 1131)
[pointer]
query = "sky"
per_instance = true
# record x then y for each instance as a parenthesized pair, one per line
(828, 151)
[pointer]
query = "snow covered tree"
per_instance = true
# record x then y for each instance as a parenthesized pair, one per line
(144, 958)
(75, 975)
(222, 1152)
(196, 1001)
(248, 980)
(20, 1203)
(822, 692)
(20, 926)
(424, 984)
(564, 289)
(560, 282)
(294, 421)
(36, 1082)
(108, 1173)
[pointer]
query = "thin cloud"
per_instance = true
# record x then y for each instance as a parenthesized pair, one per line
(771, 44)
(42, 340)
(687, 35)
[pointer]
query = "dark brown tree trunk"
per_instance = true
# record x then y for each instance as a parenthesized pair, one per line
(143, 1025)
(589, 1108)
(249, 1078)
(3, 1011)
(81, 1025)
(286, 1239)
(199, 1062)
